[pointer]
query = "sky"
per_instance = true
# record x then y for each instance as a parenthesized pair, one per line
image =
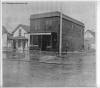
(15, 14)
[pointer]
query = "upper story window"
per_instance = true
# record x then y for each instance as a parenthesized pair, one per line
(48, 22)
(20, 32)
(37, 25)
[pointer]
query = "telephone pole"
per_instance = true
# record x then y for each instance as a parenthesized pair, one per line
(60, 44)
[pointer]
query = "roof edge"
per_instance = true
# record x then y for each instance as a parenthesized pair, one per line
(56, 13)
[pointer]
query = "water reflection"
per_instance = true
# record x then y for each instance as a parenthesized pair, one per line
(25, 69)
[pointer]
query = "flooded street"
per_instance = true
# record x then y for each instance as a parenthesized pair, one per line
(24, 70)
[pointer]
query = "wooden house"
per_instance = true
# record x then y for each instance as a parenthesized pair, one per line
(20, 39)
(5, 38)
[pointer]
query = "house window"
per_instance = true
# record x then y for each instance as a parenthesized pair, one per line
(20, 32)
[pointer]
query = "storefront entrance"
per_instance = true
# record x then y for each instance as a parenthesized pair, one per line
(44, 41)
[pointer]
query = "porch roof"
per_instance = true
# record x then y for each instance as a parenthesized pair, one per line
(19, 37)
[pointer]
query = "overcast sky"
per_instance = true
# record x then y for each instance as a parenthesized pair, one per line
(14, 14)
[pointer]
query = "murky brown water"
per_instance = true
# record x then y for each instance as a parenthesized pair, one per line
(23, 70)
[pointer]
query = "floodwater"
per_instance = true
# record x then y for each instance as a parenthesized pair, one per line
(25, 70)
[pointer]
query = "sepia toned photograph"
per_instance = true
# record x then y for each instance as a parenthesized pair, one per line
(49, 44)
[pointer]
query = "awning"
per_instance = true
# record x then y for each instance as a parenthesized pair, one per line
(40, 33)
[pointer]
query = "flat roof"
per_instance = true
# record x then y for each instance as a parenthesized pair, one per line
(53, 14)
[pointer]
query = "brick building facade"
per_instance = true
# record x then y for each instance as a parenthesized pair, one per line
(45, 32)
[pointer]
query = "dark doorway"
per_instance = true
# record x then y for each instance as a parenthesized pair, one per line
(14, 44)
(54, 40)
(45, 42)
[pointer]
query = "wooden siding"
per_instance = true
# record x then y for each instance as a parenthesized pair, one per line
(72, 36)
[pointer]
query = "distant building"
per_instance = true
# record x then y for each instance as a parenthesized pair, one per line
(20, 40)
(45, 32)
(5, 37)
(89, 40)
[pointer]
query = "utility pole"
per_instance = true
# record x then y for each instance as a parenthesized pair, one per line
(60, 44)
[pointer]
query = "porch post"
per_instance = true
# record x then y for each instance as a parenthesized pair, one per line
(16, 41)
(27, 44)
(11, 43)
(7, 40)
(51, 42)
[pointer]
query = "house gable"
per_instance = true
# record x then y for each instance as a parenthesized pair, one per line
(19, 31)
(89, 34)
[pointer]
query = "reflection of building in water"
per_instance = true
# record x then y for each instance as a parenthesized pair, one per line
(45, 32)
(19, 40)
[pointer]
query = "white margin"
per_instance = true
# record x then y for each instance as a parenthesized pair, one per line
(1, 45)
(45, 0)
(98, 45)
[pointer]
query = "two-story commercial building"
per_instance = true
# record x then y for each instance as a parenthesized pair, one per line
(45, 33)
